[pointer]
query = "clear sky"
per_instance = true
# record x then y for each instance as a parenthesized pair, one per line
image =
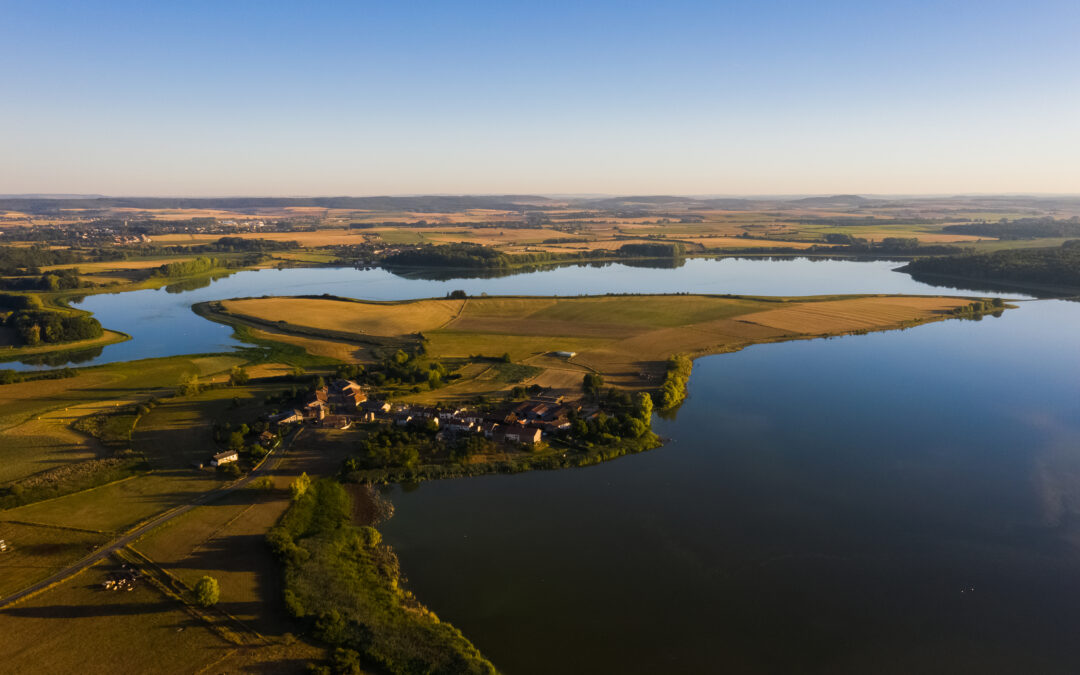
(399, 97)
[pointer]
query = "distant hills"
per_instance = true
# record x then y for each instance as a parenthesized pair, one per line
(433, 204)
(1023, 204)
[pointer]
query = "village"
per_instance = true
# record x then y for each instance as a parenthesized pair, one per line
(344, 403)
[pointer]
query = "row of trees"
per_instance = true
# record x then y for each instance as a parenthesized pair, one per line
(673, 389)
(187, 268)
(57, 280)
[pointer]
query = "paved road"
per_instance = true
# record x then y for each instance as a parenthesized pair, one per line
(274, 458)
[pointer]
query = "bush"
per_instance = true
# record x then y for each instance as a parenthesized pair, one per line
(673, 388)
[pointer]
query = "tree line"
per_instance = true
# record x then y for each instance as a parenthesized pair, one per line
(1057, 266)
(673, 389)
(1021, 228)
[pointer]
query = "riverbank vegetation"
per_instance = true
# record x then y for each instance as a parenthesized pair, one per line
(676, 375)
(1058, 266)
(346, 587)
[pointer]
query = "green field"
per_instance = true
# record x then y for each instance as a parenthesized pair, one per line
(36, 417)
(36, 551)
(79, 627)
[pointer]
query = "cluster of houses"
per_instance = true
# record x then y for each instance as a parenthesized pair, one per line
(344, 397)
(344, 403)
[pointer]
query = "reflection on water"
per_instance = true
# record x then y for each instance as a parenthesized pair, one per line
(161, 322)
(62, 358)
(894, 502)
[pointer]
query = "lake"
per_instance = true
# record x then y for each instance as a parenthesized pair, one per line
(161, 322)
(891, 503)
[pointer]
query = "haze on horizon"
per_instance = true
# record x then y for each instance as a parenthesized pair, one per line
(270, 98)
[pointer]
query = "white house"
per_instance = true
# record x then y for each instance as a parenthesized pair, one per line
(224, 458)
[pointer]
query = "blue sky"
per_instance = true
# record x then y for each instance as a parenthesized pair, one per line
(274, 98)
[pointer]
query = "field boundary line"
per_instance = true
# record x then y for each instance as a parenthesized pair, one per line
(55, 527)
(39, 591)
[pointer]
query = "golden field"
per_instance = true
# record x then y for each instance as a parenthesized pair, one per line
(626, 338)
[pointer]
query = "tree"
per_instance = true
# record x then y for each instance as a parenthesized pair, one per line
(236, 440)
(592, 383)
(457, 295)
(299, 486)
(238, 376)
(263, 483)
(643, 406)
(635, 428)
(207, 592)
(434, 380)
(189, 385)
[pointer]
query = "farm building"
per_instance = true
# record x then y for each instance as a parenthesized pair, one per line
(346, 394)
(515, 434)
(566, 355)
(314, 410)
(287, 417)
(337, 421)
(375, 406)
(224, 458)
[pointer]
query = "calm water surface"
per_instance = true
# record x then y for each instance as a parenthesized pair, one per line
(896, 502)
(161, 322)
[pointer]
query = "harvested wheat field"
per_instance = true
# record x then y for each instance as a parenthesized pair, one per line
(363, 318)
(837, 316)
(626, 338)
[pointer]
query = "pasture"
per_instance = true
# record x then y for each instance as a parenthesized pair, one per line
(226, 539)
(37, 551)
(142, 631)
(36, 416)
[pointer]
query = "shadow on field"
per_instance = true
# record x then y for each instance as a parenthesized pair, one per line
(245, 554)
(278, 666)
(106, 609)
(90, 611)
